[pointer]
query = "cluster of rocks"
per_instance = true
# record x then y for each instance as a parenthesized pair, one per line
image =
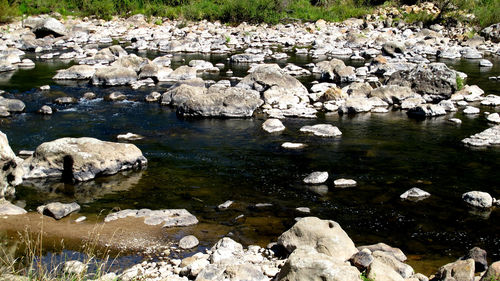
(312, 249)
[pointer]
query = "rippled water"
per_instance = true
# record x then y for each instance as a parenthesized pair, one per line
(199, 163)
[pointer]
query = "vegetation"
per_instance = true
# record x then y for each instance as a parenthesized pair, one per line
(364, 277)
(460, 83)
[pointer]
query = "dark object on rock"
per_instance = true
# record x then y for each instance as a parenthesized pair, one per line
(362, 259)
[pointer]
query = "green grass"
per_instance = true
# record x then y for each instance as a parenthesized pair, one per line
(460, 83)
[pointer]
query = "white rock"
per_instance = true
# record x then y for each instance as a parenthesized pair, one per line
(292, 145)
(322, 130)
(415, 194)
(345, 183)
(493, 118)
(478, 199)
(316, 178)
(471, 110)
(273, 125)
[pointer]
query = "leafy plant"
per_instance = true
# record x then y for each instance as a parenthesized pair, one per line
(460, 82)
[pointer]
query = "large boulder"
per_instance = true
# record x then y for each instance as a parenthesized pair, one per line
(325, 236)
(493, 272)
(9, 209)
(435, 80)
(392, 94)
(378, 270)
(76, 72)
(113, 76)
(12, 105)
(49, 26)
(11, 173)
(221, 101)
(426, 110)
(382, 247)
(306, 264)
(81, 159)
(132, 61)
(492, 32)
(279, 89)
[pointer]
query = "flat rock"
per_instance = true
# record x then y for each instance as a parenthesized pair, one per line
(58, 210)
(9, 209)
(415, 194)
(129, 137)
(316, 178)
(345, 183)
(293, 145)
(322, 130)
(488, 137)
(471, 110)
(396, 252)
(168, 217)
(76, 72)
(494, 118)
(273, 125)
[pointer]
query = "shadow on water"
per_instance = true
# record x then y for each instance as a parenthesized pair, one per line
(198, 164)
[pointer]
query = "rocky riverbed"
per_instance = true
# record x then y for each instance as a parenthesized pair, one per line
(118, 74)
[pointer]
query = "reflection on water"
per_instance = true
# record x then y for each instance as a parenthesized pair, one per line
(198, 164)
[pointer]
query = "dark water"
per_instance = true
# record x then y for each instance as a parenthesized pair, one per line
(198, 164)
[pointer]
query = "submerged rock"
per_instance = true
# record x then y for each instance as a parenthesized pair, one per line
(81, 159)
(58, 210)
(169, 217)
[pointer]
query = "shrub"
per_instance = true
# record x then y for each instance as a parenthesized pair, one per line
(8, 10)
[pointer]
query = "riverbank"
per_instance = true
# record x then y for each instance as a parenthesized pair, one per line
(389, 95)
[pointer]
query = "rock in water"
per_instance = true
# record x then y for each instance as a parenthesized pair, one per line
(169, 217)
(12, 105)
(273, 126)
(322, 130)
(325, 236)
(81, 159)
(478, 199)
(129, 137)
(293, 145)
(316, 178)
(306, 263)
(415, 194)
(344, 183)
(9, 209)
(188, 242)
(114, 76)
(58, 210)
(11, 172)
(75, 267)
(488, 137)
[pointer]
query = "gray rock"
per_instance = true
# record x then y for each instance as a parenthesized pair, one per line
(11, 172)
(396, 252)
(116, 96)
(479, 257)
(494, 118)
(12, 105)
(478, 199)
(66, 100)
(492, 32)
(76, 72)
(58, 210)
(129, 137)
(9, 209)
(356, 105)
(324, 236)
(188, 242)
(114, 76)
(89, 96)
(378, 270)
(182, 73)
(426, 110)
(471, 110)
(462, 270)
(434, 79)
(75, 267)
(81, 159)
(392, 94)
(45, 110)
(247, 58)
(225, 251)
(273, 125)
(393, 48)
(244, 272)
(153, 97)
(388, 259)
(225, 205)
(291, 145)
(305, 263)
(362, 259)
(49, 26)
(415, 194)
(485, 63)
(168, 217)
(322, 130)
(131, 61)
(316, 178)
(493, 272)
(488, 137)
(491, 100)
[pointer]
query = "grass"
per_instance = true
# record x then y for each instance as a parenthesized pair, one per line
(460, 83)
(365, 278)
(28, 264)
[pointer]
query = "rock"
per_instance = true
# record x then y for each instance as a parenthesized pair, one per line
(479, 257)
(325, 236)
(182, 73)
(410, 103)
(492, 32)
(388, 259)
(153, 97)
(426, 110)
(211, 272)
(273, 126)
(478, 199)
(491, 100)
(434, 79)
(80, 219)
(89, 96)
(58, 210)
(244, 272)
(493, 118)
(316, 178)
(487, 137)
(462, 270)
(49, 26)
(9, 209)
(447, 105)
(247, 58)
(11, 172)
(392, 94)
(76, 72)
(116, 96)
(396, 252)
(471, 110)
(393, 48)
(291, 145)
(485, 63)
(225, 251)
(493, 272)
(12, 105)
(225, 205)
(188, 242)
(381, 271)
(305, 263)
(12, 277)
(26, 63)
(322, 130)
(66, 100)
(132, 61)
(362, 259)
(344, 183)
(75, 268)
(81, 159)
(471, 93)
(45, 110)
(356, 105)
(414, 194)
(218, 102)
(114, 76)
(455, 120)
(304, 210)
(129, 137)
(168, 217)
